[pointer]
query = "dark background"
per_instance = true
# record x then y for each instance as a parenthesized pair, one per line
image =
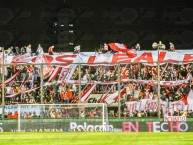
(94, 22)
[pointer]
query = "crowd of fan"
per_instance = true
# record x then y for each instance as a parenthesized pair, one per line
(12, 51)
(152, 113)
(68, 112)
(104, 48)
(29, 78)
(68, 93)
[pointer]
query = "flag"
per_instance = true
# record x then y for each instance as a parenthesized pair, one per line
(123, 48)
(85, 95)
(87, 92)
(190, 97)
(21, 58)
(63, 73)
(11, 78)
(54, 74)
(113, 97)
(12, 95)
(27, 91)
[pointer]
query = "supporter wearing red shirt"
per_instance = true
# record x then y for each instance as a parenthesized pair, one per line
(51, 50)
(15, 115)
(69, 95)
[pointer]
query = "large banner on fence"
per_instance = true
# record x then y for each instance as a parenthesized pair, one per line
(132, 106)
(63, 65)
(148, 57)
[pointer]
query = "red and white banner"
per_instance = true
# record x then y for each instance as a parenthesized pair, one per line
(162, 83)
(147, 57)
(67, 60)
(47, 68)
(152, 106)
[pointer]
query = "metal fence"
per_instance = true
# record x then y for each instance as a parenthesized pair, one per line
(129, 89)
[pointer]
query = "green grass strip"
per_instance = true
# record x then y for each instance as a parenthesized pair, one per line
(96, 138)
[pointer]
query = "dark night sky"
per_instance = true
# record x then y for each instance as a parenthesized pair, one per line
(94, 22)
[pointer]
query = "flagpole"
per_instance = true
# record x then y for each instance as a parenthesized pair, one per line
(119, 87)
(79, 82)
(41, 83)
(79, 88)
(158, 82)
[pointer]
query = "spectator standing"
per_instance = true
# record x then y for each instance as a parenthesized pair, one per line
(23, 50)
(39, 50)
(17, 50)
(105, 48)
(1, 49)
(137, 46)
(161, 45)
(28, 49)
(9, 51)
(63, 97)
(172, 47)
(34, 76)
(22, 96)
(51, 50)
(77, 49)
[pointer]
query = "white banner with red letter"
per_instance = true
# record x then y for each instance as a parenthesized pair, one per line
(148, 57)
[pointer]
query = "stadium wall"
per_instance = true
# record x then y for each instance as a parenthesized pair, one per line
(95, 126)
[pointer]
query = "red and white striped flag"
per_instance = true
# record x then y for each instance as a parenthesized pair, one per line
(113, 97)
(190, 97)
(11, 78)
(87, 92)
(27, 91)
(54, 74)
(123, 48)
(12, 95)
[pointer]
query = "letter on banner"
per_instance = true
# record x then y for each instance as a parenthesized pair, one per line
(128, 126)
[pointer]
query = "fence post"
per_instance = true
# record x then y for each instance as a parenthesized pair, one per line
(79, 82)
(158, 83)
(3, 86)
(119, 87)
(41, 83)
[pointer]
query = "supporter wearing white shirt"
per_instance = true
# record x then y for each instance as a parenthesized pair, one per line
(39, 50)
(28, 49)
